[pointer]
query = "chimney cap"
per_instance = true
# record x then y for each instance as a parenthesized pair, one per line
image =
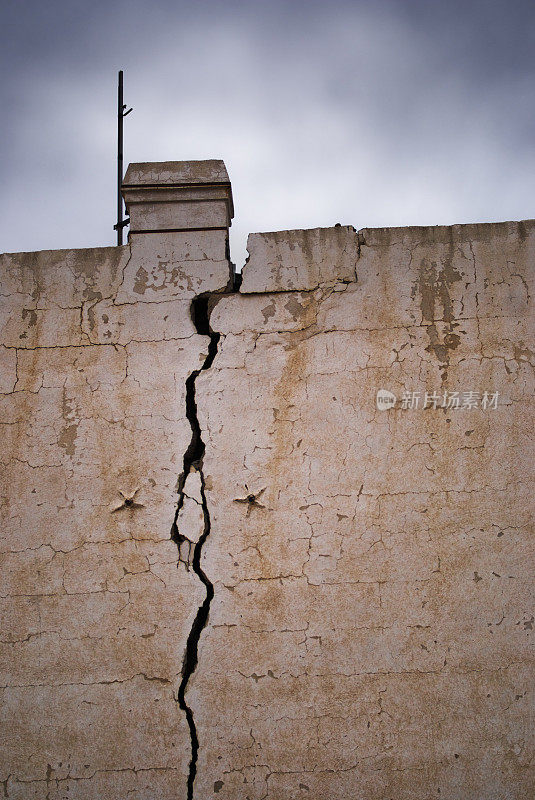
(176, 173)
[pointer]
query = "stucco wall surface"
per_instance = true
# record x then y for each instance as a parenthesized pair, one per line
(371, 630)
(97, 347)
(225, 571)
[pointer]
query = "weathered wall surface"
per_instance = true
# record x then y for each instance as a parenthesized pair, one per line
(370, 631)
(96, 349)
(357, 581)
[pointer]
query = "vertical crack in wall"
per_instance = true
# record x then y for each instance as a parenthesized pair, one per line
(193, 457)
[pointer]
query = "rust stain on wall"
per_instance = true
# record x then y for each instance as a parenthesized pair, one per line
(433, 286)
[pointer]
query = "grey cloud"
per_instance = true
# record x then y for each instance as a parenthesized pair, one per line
(369, 113)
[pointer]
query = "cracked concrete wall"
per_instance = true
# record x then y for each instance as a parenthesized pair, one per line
(97, 346)
(371, 627)
(225, 572)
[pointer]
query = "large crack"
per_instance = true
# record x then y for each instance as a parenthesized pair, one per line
(193, 459)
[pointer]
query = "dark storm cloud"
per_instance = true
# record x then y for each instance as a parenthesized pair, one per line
(370, 113)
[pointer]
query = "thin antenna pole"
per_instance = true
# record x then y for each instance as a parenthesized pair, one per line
(121, 113)
(120, 110)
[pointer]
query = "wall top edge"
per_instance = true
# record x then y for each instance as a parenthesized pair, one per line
(65, 253)
(443, 233)
(439, 229)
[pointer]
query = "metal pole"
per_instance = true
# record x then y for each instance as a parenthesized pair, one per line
(121, 223)
(120, 110)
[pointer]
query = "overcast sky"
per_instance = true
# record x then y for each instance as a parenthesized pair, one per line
(370, 113)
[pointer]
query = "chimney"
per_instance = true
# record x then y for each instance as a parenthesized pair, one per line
(176, 196)
(180, 213)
